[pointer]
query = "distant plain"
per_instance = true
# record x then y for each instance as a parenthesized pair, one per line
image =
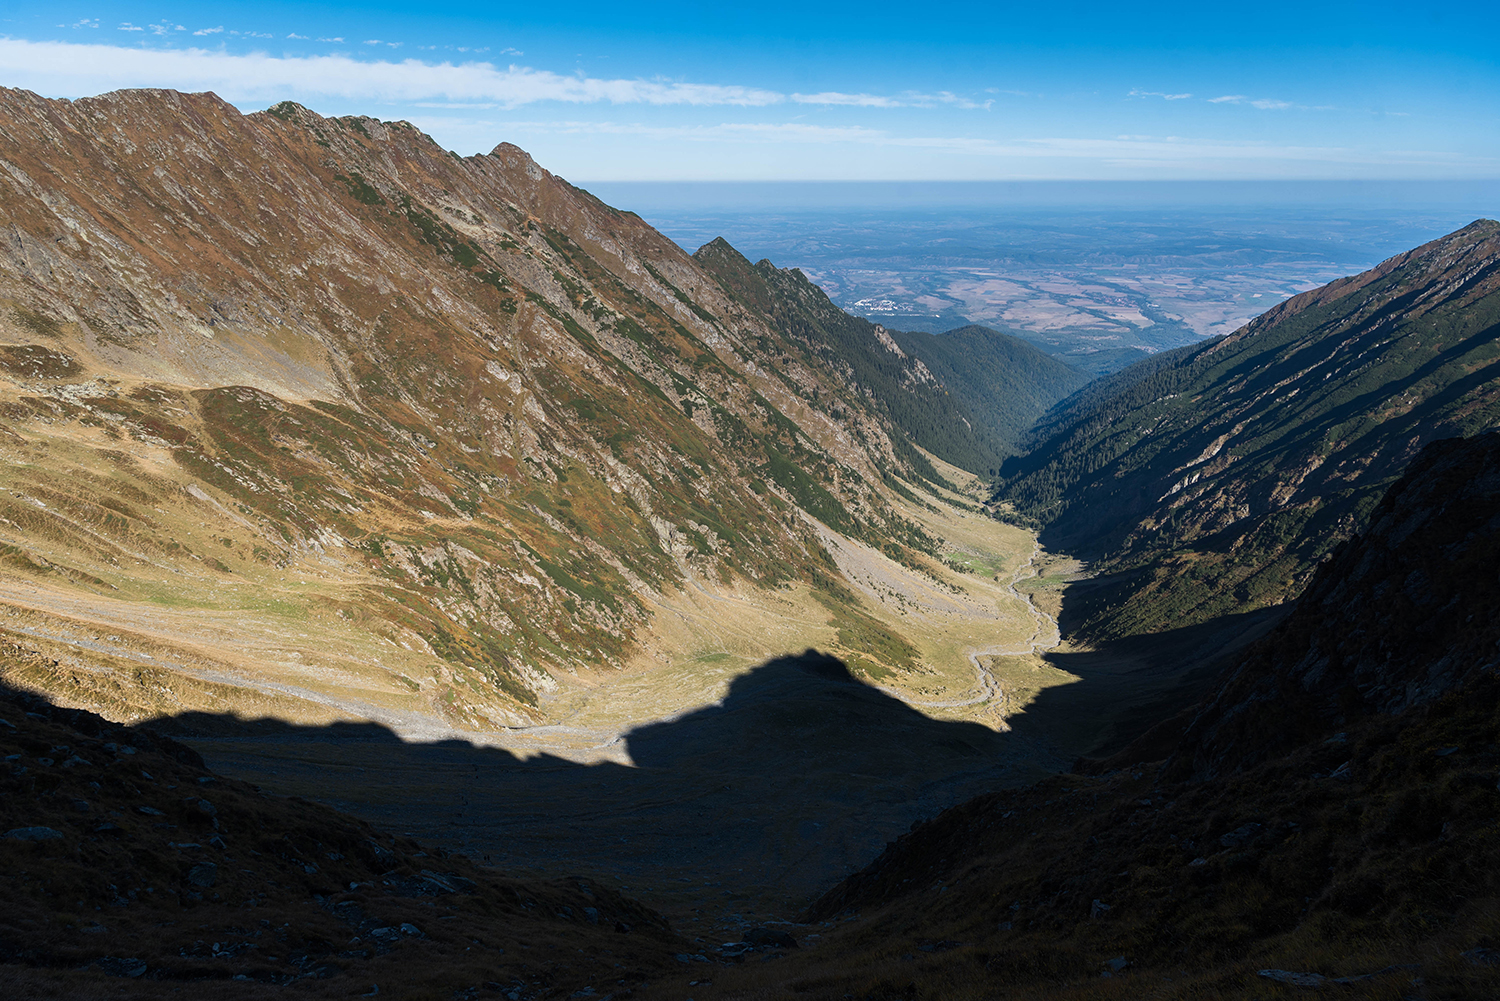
(1099, 274)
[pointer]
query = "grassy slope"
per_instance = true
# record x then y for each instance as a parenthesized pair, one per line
(924, 410)
(475, 411)
(1006, 382)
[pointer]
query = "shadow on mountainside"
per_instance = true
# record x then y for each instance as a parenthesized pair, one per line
(1128, 685)
(742, 809)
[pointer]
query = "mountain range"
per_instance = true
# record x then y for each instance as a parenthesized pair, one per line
(327, 450)
(453, 424)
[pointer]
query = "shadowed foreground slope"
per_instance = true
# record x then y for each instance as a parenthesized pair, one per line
(131, 870)
(737, 812)
(733, 818)
(1355, 847)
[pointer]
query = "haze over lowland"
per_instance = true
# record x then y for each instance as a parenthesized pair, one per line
(1098, 273)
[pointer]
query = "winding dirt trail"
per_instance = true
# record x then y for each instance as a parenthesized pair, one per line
(1045, 636)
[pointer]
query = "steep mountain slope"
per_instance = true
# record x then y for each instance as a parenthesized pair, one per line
(315, 417)
(1328, 820)
(1217, 479)
(867, 355)
(1401, 614)
(131, 870)
(1004, 380)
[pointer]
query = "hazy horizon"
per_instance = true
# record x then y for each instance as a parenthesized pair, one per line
(1096, 273)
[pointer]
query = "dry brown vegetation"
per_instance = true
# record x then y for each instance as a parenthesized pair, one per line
(319, 421)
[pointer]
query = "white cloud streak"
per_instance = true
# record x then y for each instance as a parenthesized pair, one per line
(848, 100)
(66, 68)
(1166, 151)
(910, 99)
(69, 69)
(1157, 93)
(1266, 103)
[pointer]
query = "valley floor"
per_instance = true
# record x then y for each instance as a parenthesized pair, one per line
(725, 776)
(722, 757)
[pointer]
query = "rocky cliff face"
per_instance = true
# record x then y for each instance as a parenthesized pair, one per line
(452, 420)
(1215, 481)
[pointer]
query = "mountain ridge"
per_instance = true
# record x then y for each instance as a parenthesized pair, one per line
(866, 353)
(1008, 381)
(1217, 479)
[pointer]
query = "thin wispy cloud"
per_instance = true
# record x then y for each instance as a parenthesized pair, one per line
(1266, 103)
(71, 68)
(956, 101)
(1157, 93)
(210, 31)
(79, 69)
(1134, 150)
(909, 99)
(847, 100)
(1147, 147)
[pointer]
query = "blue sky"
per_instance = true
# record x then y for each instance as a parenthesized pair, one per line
(784, 91)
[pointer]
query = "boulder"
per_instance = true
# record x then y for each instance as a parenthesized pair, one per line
(204, 874)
